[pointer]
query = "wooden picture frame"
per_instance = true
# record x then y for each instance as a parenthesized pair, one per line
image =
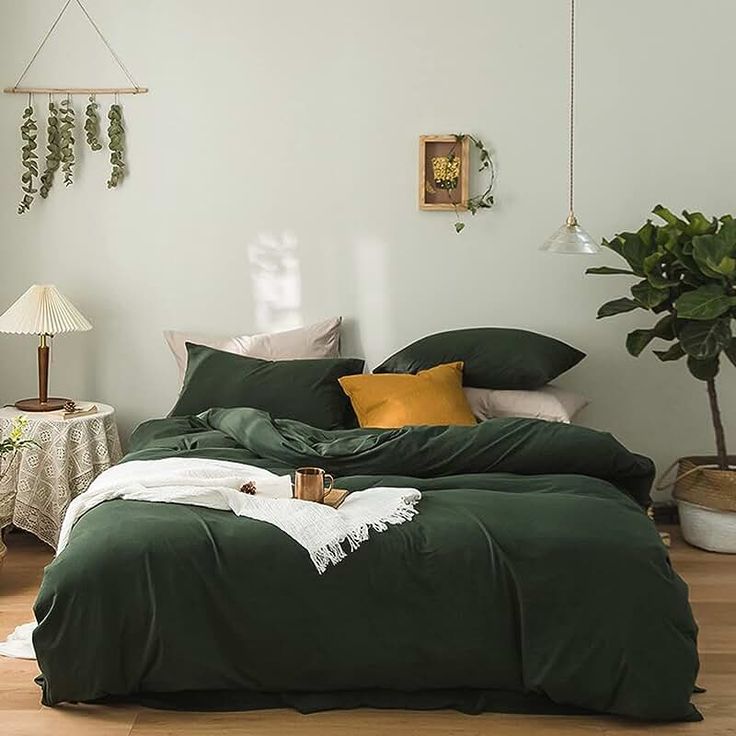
(432, 194)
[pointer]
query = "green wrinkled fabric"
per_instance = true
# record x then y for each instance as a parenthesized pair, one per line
(531, 580)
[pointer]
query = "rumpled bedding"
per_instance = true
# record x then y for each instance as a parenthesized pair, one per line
(530, 581)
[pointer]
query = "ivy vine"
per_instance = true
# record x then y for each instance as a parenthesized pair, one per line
(485, 200)
(116, 135)
(92, 125)
(66, 141)
(53, 146)
(29, 160)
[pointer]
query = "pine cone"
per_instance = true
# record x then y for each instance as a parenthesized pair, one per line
(70, 406)
(249, 488)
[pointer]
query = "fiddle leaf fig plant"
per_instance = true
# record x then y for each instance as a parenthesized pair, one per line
(686, 271)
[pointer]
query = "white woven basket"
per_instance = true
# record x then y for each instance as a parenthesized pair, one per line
(708, 529)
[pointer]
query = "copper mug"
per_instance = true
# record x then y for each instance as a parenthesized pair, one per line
(310, 484)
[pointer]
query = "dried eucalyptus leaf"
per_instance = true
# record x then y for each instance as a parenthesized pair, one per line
(28, 135)
(53, 147)
(92, 125)
(67, 141)
(116, 144)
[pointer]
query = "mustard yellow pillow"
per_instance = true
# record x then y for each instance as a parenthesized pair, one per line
(390, 400)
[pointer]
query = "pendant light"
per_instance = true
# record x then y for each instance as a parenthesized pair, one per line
(571, 238)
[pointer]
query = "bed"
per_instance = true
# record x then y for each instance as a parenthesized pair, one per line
(531, 580)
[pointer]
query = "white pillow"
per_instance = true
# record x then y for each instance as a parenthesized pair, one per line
(550, 403)
(320, 340)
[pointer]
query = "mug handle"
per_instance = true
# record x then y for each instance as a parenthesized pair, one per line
(325, 489)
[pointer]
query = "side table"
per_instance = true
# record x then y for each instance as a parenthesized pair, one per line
(43, 480)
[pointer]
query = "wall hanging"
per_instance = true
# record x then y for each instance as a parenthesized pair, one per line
(61, 122)
(571, 238)
(444, 174)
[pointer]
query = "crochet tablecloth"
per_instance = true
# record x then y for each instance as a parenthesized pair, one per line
(42, 480)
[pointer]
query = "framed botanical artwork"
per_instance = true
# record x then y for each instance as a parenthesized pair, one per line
(444, 162)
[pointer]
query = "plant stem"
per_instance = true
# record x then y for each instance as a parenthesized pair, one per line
(715, 411)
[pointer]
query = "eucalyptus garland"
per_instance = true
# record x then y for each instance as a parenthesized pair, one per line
(92, 125)
(28, 133)
(60, 146)
(116, 135)
(66, 141)
(53, 146)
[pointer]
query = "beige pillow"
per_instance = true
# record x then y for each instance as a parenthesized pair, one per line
(550, 403)
(320, 340)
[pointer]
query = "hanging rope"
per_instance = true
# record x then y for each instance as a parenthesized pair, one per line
(43, 43)
(107, 43)
(94, 25)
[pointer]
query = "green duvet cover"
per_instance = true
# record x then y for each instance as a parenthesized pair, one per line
(531, 580)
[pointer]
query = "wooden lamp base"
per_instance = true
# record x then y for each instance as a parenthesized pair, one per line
(43, 402)
(51, 404)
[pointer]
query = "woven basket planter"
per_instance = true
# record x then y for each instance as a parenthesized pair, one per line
(707, 501)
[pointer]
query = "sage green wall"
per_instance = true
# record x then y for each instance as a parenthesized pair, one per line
(273, 180)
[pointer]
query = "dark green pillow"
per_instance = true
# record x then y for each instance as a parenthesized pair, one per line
(493, 357)
(305, 390)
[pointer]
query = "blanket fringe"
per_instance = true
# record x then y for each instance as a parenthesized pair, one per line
(334, 553)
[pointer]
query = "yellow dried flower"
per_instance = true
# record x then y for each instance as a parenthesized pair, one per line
(446, 171)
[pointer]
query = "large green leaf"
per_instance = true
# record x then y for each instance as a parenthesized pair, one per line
(607, 270)
(699, 224)
(727, 233)
(667, 238)
(703, 370)
(665, 328)
(617, 306)
(616, 245)
(637, 340)
(703, 340)
(669, 217)
(730, 350)
(647, 234)
(635, 251)
(649, 296)
(716, 254)
(704, 303)
(675, 352)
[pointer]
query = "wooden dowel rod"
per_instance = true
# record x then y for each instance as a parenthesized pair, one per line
(76, 90)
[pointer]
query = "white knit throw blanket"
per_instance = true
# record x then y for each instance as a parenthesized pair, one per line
(321, 530)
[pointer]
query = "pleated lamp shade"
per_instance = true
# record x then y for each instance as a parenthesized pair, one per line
(42, 310)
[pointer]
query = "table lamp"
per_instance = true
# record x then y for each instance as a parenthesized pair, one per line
(42, 311)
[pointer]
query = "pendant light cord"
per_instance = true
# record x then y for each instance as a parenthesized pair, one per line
(572, 106)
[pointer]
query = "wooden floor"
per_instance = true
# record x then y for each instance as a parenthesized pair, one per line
(712, 580)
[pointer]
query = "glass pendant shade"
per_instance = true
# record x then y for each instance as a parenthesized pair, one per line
(571, 239)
